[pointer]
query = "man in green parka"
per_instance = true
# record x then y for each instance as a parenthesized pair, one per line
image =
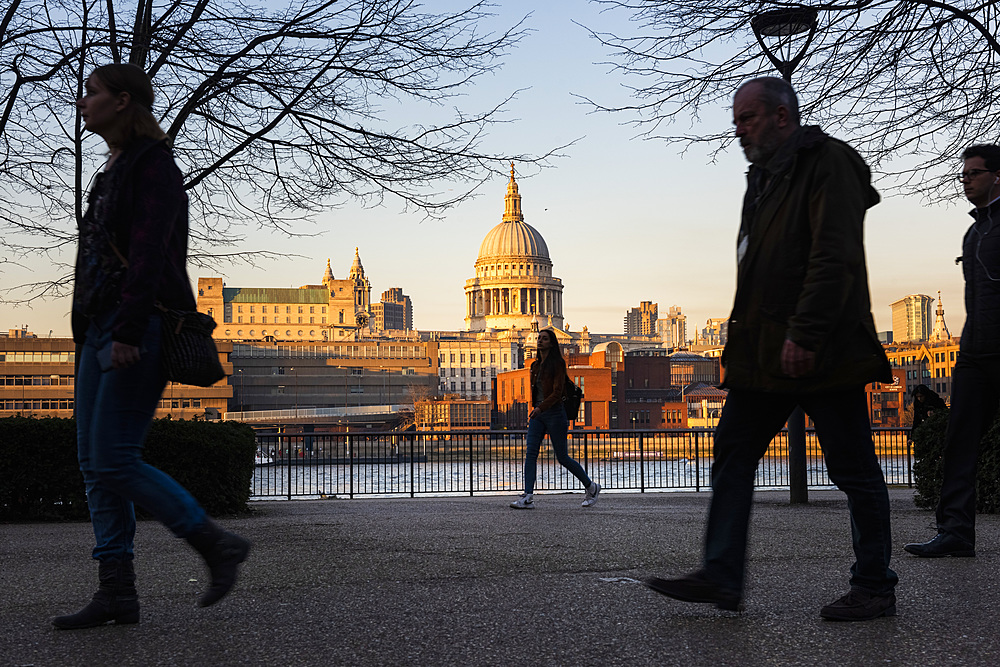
(801, 333)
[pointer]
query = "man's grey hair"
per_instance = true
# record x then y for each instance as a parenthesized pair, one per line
(775, 92)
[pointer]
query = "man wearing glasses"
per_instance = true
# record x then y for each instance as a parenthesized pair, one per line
(801, 333)
(975, 392)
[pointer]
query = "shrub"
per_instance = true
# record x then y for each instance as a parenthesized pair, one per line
(41, 476)
(928, 450)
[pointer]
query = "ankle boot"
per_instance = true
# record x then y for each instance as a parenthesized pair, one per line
(223, 552)
(115, 600)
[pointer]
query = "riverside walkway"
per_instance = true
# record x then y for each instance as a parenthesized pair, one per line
(467, 581)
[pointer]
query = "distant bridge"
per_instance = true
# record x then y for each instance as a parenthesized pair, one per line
(365, 413)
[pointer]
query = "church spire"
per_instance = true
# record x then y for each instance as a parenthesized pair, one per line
(512, 202)
(940, 328)
(357, 271)
(328, 276)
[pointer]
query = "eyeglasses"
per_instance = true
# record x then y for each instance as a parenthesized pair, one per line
(971, 174)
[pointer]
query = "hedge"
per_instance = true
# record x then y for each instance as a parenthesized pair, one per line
(41, 478)
(928, 450)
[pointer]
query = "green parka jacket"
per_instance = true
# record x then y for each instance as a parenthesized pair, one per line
(802, 273)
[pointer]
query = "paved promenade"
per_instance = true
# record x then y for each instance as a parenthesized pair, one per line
(467, 581)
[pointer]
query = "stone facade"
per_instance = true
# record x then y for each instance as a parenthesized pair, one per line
(335, 310)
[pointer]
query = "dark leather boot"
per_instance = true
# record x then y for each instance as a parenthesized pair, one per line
(115, 600)
(223, 552)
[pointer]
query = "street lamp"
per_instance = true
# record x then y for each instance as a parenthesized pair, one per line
(242, 402)
(782, 27)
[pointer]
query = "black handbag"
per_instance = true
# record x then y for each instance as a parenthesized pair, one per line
(189, 352)
(572, 397)
(189, 355)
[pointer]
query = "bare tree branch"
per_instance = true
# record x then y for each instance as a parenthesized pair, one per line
(275, 112)
(909, 82)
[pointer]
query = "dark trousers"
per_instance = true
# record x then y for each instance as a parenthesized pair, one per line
(975, 397)
(749, 421)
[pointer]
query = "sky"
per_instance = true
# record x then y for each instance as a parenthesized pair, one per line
(625, 220)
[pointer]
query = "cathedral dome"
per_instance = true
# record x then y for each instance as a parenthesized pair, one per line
(513, 239)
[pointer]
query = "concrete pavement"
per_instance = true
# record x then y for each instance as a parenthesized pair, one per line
(467, 581)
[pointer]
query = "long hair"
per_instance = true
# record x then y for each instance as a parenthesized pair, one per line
(137, 120)
(554, 362)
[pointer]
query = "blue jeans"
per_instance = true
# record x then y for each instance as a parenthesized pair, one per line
(749, 421)
(552, 421)
(114, 410)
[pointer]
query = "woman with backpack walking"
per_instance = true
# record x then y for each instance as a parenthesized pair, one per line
(548, 384)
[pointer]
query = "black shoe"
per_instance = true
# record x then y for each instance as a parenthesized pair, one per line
(223, 552)
(695, 587)
(860, 605)
(114, 602)
(942, 545)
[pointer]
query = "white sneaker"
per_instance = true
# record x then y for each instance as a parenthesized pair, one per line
(524, 502)
(591, 496)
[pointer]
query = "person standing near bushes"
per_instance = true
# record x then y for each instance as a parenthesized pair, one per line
(548, 382)
(925, 402)
(132, 255)
(975, 393)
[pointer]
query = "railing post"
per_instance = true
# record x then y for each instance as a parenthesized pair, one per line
(289, 450)
(642, 465)
(472, 471)
(697, 464)
(350, 465)
(909, 457)
(413, 455)
(798, 491)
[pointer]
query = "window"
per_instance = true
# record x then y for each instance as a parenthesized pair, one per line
(462, 358)
(451, 358)
(263, 309)
(239, 309)
(473, 372)
(300, 309)
(239, 320)
(312, 309)
(251, 309)
(288, 309)
(263, 319)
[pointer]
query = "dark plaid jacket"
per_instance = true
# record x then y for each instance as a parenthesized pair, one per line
(139, 206)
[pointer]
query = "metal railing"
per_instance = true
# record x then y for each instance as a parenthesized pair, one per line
(487, 462)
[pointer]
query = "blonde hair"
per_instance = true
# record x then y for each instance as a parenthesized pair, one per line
(137, 120)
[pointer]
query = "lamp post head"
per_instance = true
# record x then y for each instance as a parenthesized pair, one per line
(783, 25)
(784, 22)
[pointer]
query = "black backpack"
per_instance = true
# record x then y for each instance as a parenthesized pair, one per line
(572, 397)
